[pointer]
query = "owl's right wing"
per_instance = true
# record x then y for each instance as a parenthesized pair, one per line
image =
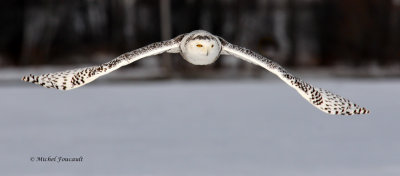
(75, 78)
(322, 99)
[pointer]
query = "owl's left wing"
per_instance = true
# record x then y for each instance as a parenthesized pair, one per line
(322, 99)
(75, 78)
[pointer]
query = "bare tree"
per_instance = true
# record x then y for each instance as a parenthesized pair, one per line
(165, 16)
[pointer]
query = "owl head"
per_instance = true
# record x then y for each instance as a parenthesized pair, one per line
(200, 48)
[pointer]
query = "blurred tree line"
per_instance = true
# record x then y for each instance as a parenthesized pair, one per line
(292, 32)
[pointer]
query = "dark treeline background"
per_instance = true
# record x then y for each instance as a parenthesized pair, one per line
(292, 32)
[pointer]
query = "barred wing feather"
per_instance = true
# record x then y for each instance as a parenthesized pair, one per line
(75, 78)
(322, 99)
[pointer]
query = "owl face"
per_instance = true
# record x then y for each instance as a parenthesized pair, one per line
(200, 48)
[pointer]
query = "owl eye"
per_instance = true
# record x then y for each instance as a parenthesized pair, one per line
(199, 45)
(212, 46)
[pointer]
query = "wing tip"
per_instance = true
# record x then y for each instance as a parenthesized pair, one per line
(30, 78)
(361, 110)
(35, 80)
(47, 84)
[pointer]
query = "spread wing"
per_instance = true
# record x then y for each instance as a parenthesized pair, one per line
(320, 98)
(75, 78)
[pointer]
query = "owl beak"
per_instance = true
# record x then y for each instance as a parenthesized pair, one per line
(208, 50)
(205, 50)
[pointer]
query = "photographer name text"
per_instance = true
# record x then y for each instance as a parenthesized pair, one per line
(57, 159)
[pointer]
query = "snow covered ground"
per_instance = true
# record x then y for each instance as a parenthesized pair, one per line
(199, 128)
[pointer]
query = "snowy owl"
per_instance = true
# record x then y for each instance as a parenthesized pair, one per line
(200, 48)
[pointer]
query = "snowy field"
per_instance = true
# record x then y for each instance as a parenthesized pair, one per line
(199, 128)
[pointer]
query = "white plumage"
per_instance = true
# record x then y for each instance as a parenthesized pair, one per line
(200, 48)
